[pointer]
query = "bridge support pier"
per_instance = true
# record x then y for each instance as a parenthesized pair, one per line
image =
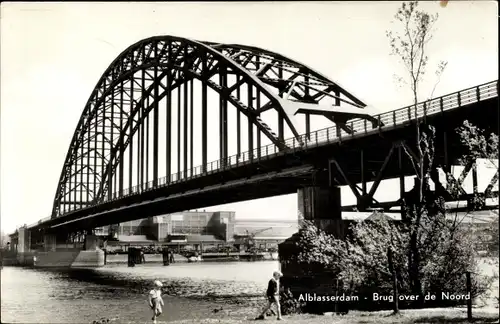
(24, 253)
(322, 206)
(91, 256)
(56, 253)
(91, 242)
(364, 202)
(50, 242)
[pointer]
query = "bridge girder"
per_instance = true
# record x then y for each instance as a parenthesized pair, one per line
(150, 70)
(402, 151)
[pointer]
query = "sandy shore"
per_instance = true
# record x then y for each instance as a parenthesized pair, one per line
(245, 311)
(406, 317)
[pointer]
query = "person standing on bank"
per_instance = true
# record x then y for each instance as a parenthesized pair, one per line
(273, 295)
(155, 300)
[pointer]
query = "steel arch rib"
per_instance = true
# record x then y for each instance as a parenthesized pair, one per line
(285, 58)
(101, 91)
(111, 167)
(124, 67)
(306, 103)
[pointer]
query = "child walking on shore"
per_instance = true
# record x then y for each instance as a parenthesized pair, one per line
(155, 300)
(273, 295)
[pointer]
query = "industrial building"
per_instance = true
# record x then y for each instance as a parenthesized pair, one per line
(200, 230)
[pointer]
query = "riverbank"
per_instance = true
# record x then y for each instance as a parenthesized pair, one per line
(229, 292)
(358, 319)
(239, 309)
(233, 314)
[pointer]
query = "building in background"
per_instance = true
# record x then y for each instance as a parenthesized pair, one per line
(201, 230)
(192, 226)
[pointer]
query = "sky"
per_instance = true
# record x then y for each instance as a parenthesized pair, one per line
(52, 55)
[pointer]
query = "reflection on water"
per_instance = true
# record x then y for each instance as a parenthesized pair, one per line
(80, 296)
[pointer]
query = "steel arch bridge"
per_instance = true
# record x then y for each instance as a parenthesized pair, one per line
(112, 147)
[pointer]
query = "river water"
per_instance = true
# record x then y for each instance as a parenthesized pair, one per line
(191, 291)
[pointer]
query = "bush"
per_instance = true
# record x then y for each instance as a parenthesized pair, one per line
(366, 267)
(361, 264)
(289, 305)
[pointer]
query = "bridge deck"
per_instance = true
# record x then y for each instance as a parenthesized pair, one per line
(268, 171)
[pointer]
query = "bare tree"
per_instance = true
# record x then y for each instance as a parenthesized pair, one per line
(413, 29)
(408, 40)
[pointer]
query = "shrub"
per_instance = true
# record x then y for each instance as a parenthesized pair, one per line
(360, 262)
(290, 305)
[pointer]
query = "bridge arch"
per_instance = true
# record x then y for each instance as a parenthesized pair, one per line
(157, 66)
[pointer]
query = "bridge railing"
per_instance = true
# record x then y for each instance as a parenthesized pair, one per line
(43, 220)
(324, 136)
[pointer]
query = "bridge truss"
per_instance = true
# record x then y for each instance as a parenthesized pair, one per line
(145, 103)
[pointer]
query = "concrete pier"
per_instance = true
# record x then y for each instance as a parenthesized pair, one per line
(322, 206)
(53, 254)
(23, 251)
